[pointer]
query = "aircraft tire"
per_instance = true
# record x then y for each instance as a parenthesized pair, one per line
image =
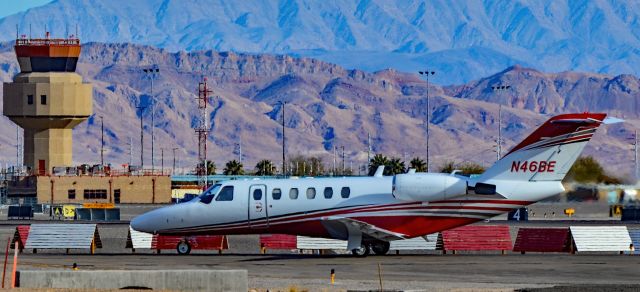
(361, 252)
(183, 247)
(380, 248)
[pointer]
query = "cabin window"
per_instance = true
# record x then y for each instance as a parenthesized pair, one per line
(328, 193)
(257, 194)
(207, 195)
(276, 194)
(226, 194)
(311, 193)
(43, 99)
(293, 194)
(30, 99)
(345, 192)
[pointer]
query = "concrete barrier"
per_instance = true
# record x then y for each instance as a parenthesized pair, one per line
(194, 280)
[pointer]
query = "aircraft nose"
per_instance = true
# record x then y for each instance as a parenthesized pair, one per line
(151, 222)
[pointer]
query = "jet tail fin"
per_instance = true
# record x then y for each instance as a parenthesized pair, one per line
(549, 152)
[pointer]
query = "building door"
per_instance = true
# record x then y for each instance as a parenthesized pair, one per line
(116, 196)
(41, 167)
(258, 214)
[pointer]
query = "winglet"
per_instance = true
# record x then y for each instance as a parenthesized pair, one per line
(379, 171)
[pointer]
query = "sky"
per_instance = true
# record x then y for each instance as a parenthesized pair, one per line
(8, 7)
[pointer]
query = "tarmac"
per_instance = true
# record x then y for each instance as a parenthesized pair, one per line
(421, 271)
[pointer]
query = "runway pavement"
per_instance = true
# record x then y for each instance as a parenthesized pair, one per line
(279, 271)
(283, 270)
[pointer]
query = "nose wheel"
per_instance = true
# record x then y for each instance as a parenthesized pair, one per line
(183, 247)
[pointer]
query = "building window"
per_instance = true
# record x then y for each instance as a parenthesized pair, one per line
(72, 194)
(116, 196)
(43, 99)
(276, 194)
(293, 194)
(345, 192)
(328, 193)
(95, 194)
(311, 193)
(226, 194)
(30, 99)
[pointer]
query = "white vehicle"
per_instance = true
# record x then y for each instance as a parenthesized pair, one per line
(369, 212)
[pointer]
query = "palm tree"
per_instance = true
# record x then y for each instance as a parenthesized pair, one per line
(418, 164)
(233, 167)
(376, 161)
(211, 167)
(448, 167)
(396, 166)
(264, 167)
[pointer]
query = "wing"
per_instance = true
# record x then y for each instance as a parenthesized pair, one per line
(366, 228)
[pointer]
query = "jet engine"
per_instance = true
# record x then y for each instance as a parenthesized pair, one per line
(427, 187)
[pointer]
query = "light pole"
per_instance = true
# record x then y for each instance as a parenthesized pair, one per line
(427, 73)
(343, 165)
(500, 88)
(635, 154)
(152, 73)
(284, 159)
(102, 140)
(162, 161)
(141, 108)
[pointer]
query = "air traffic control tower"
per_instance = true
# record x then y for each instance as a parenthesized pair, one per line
(47, 99)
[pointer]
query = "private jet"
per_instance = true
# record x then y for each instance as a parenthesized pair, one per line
(369, 212)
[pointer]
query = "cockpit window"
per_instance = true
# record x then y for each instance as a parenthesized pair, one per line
(226, 194)
(207, 195)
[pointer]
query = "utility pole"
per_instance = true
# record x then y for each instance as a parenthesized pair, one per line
(284, 159)
(162, 161)
(240, 151)
(368, 148)
(427, 73)
(141, 108)
(173, 170)
(102, 140)
(130, 150)
(152, 73)
(499, 88)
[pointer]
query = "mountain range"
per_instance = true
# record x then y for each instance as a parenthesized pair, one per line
(460, 40)
(327, 107)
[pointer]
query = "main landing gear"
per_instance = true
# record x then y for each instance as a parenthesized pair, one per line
(378, 248)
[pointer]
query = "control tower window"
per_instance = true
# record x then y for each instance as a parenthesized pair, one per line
(30, 99)
(43, 99)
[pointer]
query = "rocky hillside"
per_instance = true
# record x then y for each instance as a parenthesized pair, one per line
(327, 106)
(464, 39)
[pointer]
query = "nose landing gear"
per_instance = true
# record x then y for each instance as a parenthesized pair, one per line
(183, 247)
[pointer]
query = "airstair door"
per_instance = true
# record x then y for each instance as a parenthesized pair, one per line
(258, 214)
